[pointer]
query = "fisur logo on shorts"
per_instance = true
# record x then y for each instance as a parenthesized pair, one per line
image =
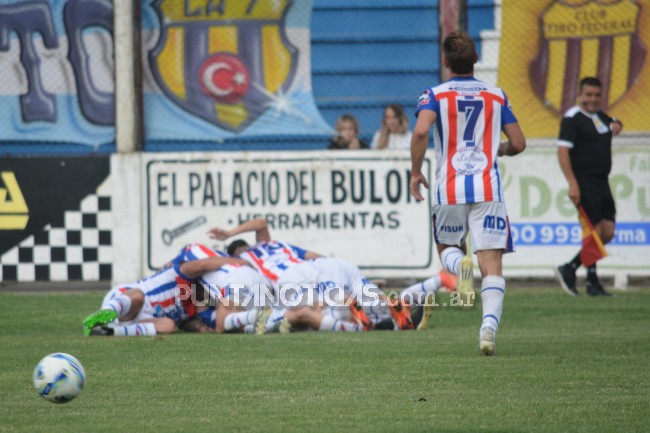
(451, 229)
(223, 61)
(494, 224)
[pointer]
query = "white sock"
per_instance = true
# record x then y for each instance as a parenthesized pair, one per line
(121, 304)
(239, 320)
(493, 290)
(329, 323)
(450, 258)
(135, 330)
(416, 294)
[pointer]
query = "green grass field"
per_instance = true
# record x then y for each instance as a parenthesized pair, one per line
(563, 365)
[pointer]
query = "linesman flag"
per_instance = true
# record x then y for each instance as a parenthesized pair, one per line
(592, 247)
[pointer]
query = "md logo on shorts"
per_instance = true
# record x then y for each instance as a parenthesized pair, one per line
(494, 224)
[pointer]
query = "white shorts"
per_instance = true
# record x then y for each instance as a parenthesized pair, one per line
(487, 222)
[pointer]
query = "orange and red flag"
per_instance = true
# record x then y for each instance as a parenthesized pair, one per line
(592, 247)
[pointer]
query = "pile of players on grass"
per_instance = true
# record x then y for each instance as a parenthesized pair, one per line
(268, 287)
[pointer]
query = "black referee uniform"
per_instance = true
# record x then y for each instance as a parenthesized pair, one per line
(589, 139)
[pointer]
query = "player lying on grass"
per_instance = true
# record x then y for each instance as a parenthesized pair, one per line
(297, 280)
(239, 293)
(378, 308)
(157, 303)
(277, 259)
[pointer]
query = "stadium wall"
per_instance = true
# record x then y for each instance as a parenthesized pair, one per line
(71, 208)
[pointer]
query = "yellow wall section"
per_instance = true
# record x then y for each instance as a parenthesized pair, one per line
(555, 77)
(277, 59)
(171, 62)
(222, 39)
(621, 59)
(589, 57)
(521, 43)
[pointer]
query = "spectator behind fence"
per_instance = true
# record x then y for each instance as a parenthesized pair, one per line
(394, 132)
(347, 128)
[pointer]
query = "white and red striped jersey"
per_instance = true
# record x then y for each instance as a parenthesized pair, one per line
(467, 133)
(166, 290)
(273, 258)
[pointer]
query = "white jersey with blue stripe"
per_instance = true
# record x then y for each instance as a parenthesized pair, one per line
(273, 258)
(221, 282)
(163, 289)
(470, 116)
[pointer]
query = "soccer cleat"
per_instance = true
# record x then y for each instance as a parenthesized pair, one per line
(466, 281)
(285, 327)
(99, 317)
(427, 311)
(359, 316)
(465, 285)
(487, 341)
(596, 289)
(262, 317)
(102, 331)
(448, 280)
(401, 314)
(566, 276)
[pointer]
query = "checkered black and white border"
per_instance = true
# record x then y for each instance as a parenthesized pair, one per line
(80, 249)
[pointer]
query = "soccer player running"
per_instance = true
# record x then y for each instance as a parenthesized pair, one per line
(469, 116)
(585, 155)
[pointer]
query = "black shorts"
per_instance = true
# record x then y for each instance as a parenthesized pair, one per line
(596, 199)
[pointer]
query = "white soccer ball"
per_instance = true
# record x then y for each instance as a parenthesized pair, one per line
(59, 377)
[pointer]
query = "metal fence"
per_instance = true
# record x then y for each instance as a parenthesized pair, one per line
(276, 74)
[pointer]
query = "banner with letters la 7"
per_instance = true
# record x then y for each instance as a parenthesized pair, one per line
(230, 68)
(355, 205)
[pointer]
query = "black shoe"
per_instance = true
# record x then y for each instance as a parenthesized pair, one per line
(596, 289)
(566, 275)
(416, 315)
(385, 325)
(102, 331)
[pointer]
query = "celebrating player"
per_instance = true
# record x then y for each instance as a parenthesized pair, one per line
(469, 116)
(156, 304)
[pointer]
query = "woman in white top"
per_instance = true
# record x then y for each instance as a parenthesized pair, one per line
(394, 132)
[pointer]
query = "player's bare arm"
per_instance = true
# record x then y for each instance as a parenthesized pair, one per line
(258, 225)
(516, 140)
(565, 164)
(419, 144)
(196, 268)
(311, 255)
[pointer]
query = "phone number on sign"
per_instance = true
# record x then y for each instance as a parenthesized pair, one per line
(546, 234)
(542, 234)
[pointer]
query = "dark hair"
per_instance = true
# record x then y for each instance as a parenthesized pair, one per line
(460, 52)
(589, 81)
(347, 117)
(232, 247)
